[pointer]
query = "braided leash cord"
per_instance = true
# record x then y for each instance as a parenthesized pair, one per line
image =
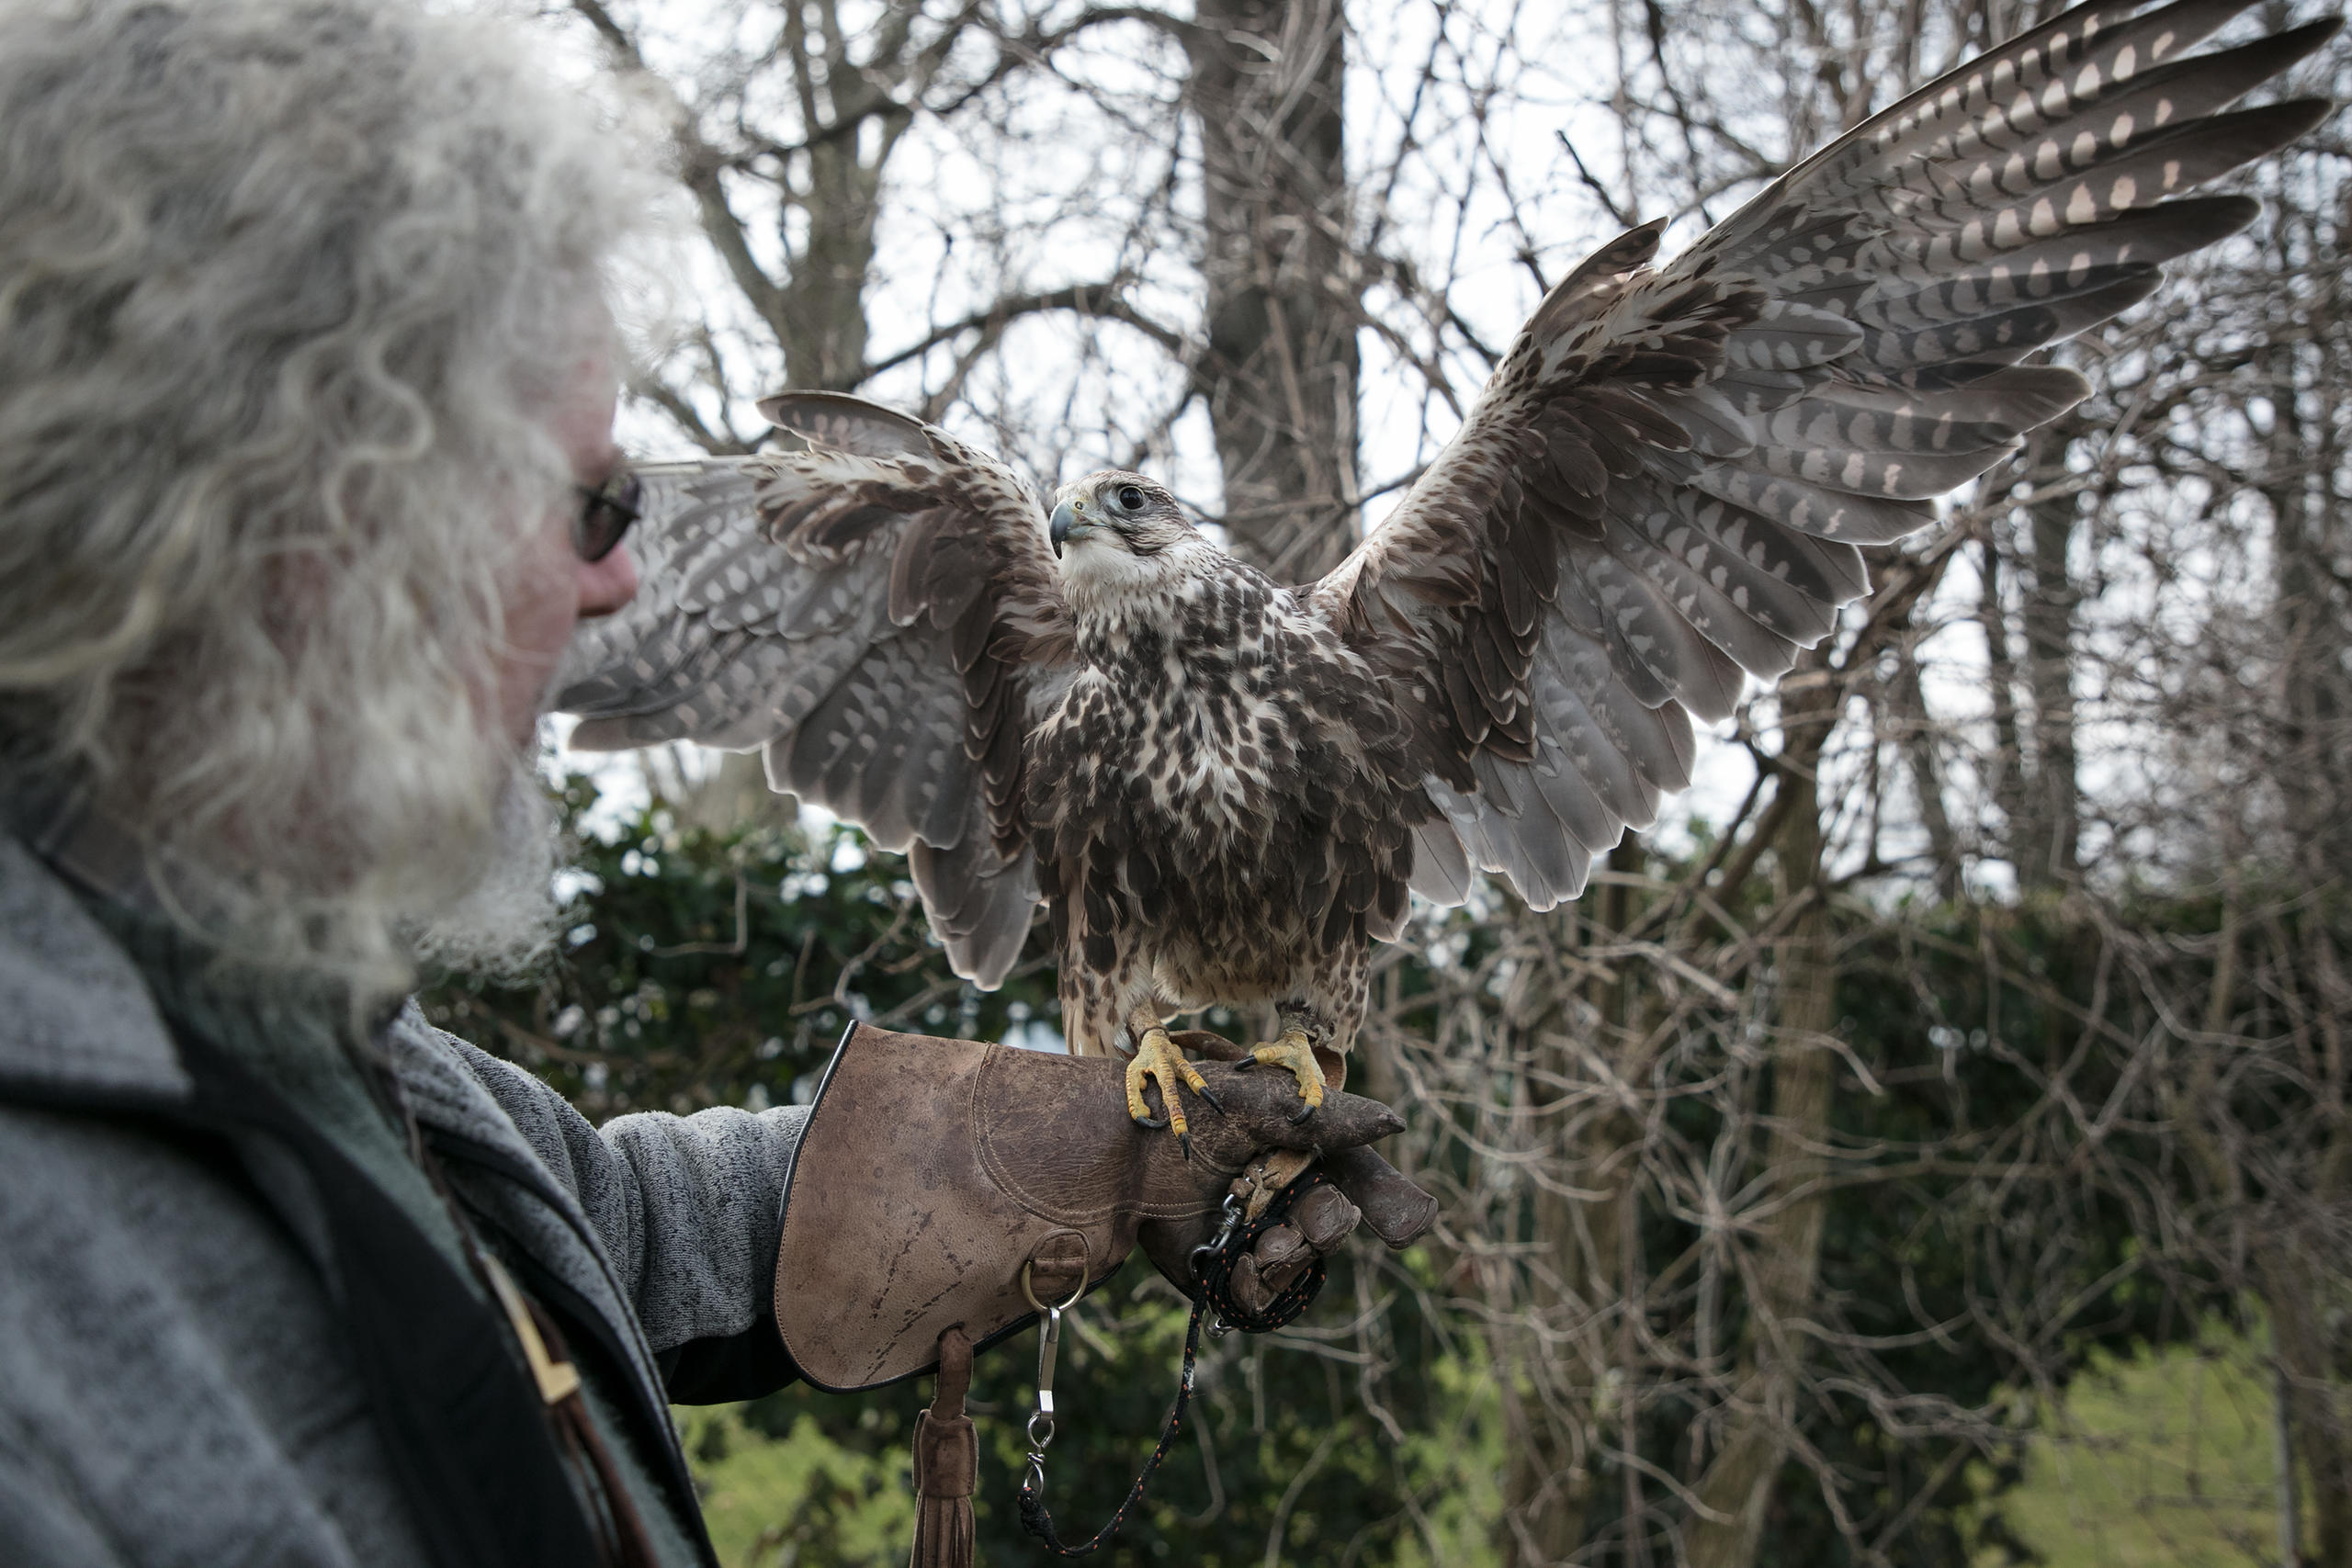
(1213, 1267)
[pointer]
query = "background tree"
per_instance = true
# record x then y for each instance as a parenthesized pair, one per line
(1267, 88)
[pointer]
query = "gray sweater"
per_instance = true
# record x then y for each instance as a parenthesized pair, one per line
(172, 1389)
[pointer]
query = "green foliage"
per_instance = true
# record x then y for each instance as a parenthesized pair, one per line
(801, 1494)
(2169, 1457)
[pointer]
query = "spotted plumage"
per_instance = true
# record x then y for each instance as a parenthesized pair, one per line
(1224, 787)
(1220, 799)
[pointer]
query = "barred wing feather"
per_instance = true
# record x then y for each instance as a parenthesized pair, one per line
(877, 613)
(1662, 490)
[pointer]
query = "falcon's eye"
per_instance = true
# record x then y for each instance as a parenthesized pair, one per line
(1129, 498)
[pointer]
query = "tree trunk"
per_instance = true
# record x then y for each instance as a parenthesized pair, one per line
(2301, 1288)
(2315, 674)
(2045, 843)
(1926, 768)
(1552, 1485)
(1785, 1244)
(2009, 783)
(1280, 375)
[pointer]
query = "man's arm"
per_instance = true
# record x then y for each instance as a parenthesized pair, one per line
(687, 1208)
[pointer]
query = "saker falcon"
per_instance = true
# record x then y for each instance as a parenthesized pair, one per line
(1223, 787)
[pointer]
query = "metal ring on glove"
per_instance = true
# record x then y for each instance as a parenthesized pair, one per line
(1030, 1291)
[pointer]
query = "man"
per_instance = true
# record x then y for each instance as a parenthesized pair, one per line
(305, 475)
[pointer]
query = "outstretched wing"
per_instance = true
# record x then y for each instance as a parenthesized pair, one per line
(1665, 481)
(878, 611)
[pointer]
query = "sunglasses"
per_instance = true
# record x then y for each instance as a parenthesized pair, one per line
(606, 512)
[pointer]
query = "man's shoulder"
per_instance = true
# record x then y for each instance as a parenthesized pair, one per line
(492, 1114)
(458, 1089)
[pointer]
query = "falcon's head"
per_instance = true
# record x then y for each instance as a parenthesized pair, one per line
(1119, 532)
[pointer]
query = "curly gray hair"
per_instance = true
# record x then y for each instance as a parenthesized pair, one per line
(286, 287)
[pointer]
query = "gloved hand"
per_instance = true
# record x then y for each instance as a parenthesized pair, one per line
(1256, 1136)
(944, 1182)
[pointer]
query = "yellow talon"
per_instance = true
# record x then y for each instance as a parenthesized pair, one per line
(1157, 1060)
(1293, 1051)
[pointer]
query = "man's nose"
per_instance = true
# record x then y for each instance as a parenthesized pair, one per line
(608, 584)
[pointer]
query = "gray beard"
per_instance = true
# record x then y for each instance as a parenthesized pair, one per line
(503, 927)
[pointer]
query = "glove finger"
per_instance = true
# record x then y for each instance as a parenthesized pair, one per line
(1258, 1108)
(1251, 1292)
(1324, 1218)
(1281, 1255)
(1281, 1279)
(1398, 1212)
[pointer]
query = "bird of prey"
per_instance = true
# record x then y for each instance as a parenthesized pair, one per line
(1224, 786)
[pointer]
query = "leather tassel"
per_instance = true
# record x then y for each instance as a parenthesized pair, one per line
(948, 1464)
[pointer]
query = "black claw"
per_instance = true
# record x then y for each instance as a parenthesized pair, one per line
(1246, 1063)
(1155, 1122)
(1210, 1095)
(1303, 1115)
(1184, 1143)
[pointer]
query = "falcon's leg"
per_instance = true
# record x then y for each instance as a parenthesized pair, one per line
(1296, 1051)
(1158, 1061)
(1315, 1038)
(1110, 1006)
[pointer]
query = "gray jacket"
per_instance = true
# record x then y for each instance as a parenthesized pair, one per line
(172, 1387)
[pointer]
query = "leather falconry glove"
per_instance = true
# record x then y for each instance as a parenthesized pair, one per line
(935, 1177)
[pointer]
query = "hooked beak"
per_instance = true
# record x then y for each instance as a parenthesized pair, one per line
(1068, 523)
